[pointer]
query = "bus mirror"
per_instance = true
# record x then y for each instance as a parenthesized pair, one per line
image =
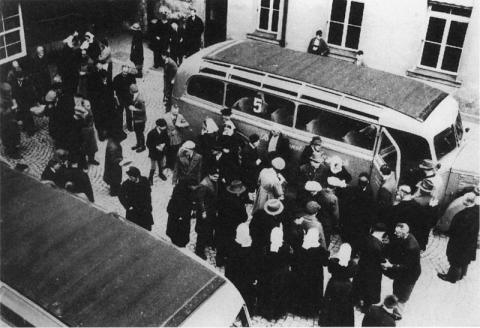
(467, 129)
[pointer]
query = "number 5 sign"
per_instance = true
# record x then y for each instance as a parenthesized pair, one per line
(257, 105)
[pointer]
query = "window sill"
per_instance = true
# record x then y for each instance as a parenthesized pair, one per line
(342, 53)
(443, 78)
(264, 36)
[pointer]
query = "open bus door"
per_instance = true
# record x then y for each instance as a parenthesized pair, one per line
(387, 152)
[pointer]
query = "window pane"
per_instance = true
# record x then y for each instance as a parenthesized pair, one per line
(451, 59)
(265, 3)
(263, 19)
(206, 88)
(276, 4)
(2, 41)
(12, 23)
(435, 29)
(430, 54)
(275, 15)
(335, 33)
(356, 13)
(461, 12)
(9, 8)
(444, 142)
(338, 10)
(3, 53)
(456, 35)
(441, 8)
(353, 37)
(12, 37)
(1, 25)
(336, 127)
(13, 49)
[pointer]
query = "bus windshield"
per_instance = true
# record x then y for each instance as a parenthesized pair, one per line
(445, 142)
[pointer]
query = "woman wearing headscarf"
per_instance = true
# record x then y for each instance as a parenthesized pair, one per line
(338, 298)
(274, 278)
(240, 267)
(208, 137)
(307, 270)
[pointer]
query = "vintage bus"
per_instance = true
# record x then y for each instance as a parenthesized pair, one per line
(65, 262)
(366, 116)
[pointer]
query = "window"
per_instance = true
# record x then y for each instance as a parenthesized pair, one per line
(336, 127)
(12, 318)
(206, 88)
(260, 104)
(445, 142)
(12, 38)
(270, 15)
(345, 23)
(444, 38)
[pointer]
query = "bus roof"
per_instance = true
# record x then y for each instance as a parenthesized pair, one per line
(400, 93)
(89, 268)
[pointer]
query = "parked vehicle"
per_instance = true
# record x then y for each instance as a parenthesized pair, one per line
(366, 116)
(65, 262)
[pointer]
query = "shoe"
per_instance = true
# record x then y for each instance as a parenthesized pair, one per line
(135, 147)
(140, 149)
(162, 176)
(444, 276)
(93, 162)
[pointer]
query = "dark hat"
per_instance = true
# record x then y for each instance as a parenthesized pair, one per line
(426, 185)
(316, 141)
(390, 301)
(312, 207)
(236, 187)
(385, 169)
(317, 157)
(227, 111)
(133, 171)
(427, 164)
(161, 122)
(253, 138)
(273, 206)
(379, 226)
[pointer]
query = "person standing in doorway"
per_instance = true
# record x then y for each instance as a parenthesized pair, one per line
(193, 33)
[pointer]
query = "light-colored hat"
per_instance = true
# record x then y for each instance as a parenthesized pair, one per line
(335, 182)
(135, 27)
(236, 187)
(336, 164)
(313, 186)
(50, 96)
(243, 235)
(278, 163)
(273, 206)
(189, 144)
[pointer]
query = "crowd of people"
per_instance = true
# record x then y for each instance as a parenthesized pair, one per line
(274, 255)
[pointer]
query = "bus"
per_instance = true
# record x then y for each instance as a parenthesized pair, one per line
(366, 116)
(66, 262)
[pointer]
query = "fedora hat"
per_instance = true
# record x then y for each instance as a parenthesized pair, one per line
(273, 207)
(313, 186)
(426, 185)
(312, 207)
(236, 187)
(427, 164)
(135, 27)
(278, 163)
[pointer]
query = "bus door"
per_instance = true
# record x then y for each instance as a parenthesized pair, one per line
(386, 152)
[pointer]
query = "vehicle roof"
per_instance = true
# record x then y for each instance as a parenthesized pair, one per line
(90, 268)
(402, 94)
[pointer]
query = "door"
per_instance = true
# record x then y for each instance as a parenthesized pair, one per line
(215, 21)
(386, 152)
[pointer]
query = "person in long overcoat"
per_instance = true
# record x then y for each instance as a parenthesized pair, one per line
(89, 141)
(112, 173)
(193, 33)
(121, 84)
(136, 49)
(462, 245)
(160, 31)
(231, 212)
(24, 94)
(179, 211)
(157, 144)
(269, 184)
(240, 266)
(307, 275)
(367, 283)
(263, 221)
(338, 298)
(274, 278)
(208, 137)
(250, 162)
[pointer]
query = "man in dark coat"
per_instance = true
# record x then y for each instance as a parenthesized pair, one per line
(9, 131)
(462, 246)
(367, 283)
(135, 196)
(318, 46)
(311, 171)
(250, 162)
(121, 85)
(40, 73)
(176, 43)
(381, 316)
(169, 72)
(157, 144)
(161, 31)
(403, 265)
(136, 49)
(24, 94)
(112, 174)
(193, 33)
(103, 102)
(263, 221)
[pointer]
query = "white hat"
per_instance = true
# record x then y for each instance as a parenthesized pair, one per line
(335, 182)
(189, 144)
(344, 254)
(243, 235)
(313, 186)
(278, 163)
(336, 164)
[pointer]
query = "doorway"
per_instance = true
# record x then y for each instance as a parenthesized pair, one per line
(215, 21)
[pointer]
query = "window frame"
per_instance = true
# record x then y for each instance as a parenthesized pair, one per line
(270, 15)
(20, 28)
(449, 17)
(345, 24)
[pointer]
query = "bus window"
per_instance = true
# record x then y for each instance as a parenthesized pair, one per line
(206, 88)
(445, 142)
(12, 319)
(260, 104)
(336, 127)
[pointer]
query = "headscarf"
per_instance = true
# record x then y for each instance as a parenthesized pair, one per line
(336, 164)
(343, 255)
(209, 126)
(311, 238)
(243, 235)
(276, 239)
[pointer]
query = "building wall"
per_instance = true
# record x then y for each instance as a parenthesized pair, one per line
(241, 18)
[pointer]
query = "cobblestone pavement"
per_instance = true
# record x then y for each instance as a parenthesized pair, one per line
(433, 301)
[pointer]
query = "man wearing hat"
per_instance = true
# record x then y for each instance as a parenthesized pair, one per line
(136, 49)
(250, 162)
(314, 170)
(121, 85)
(157, 144)
(456, 206)
(135, 196)
(231, 212)
(315, 146)
(429, 169)
(277, 144)
(270, 184)
(263, 221)
(462, 245)
(188, 163)
(139, 117)
(169, 72)
(24, 95)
